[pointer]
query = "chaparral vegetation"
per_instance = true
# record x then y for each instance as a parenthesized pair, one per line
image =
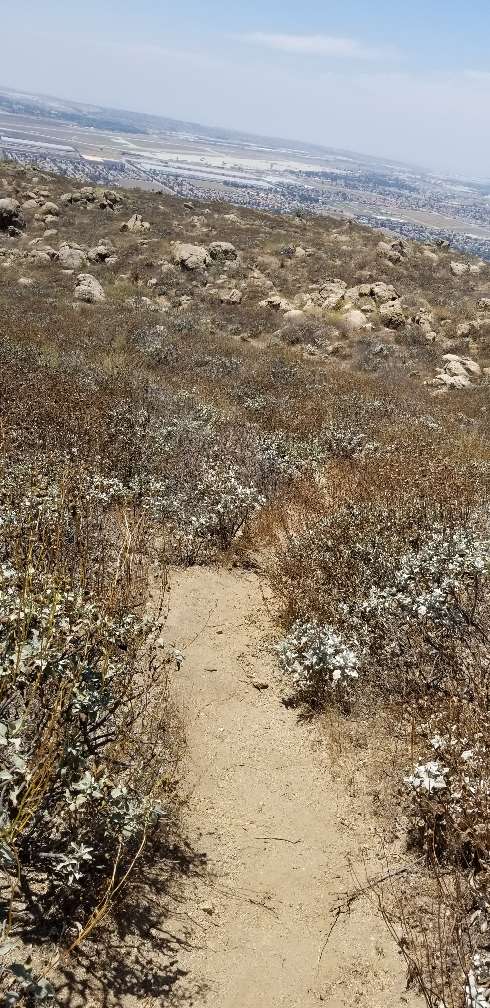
(180, 385)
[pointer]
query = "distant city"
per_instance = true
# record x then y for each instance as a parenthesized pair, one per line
(111, 147)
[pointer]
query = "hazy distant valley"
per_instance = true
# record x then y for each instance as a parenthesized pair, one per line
(114, 147)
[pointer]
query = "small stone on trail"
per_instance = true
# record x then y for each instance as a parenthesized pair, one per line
(207, 908)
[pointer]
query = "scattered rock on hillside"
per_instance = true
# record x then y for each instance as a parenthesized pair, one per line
(394, 251)
(233, 296)
(354, 319)
(425, 321)
(88, 289)
(457, 372)
(71, 256)
(191, 257)
(48, 210)
(11, 218)
(101, 253)
(135, 223)
(331, 294)
(459, 268)
(275, 301)
(88, 195)
(222, 250)
(295, 316)
(392, 314)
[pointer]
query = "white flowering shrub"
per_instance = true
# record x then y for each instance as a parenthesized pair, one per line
(434, 581)
(341, 441)
(477, 990)
(427, 778)
(316, 660)
(79, 779)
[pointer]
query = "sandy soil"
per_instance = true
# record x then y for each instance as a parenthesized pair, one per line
(280, 833)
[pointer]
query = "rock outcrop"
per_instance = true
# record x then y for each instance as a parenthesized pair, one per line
(88, 289)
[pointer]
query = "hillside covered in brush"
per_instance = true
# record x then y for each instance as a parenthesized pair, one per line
(191, 385)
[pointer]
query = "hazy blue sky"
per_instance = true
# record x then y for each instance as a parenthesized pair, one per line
(408, 79)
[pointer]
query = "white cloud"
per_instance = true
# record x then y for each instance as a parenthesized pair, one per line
(328, 45)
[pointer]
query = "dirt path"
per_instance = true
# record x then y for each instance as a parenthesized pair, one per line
(273, 821)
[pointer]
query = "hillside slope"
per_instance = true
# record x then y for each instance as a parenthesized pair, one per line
(216, 401)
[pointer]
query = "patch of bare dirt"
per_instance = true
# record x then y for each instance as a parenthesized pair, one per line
(282, 836)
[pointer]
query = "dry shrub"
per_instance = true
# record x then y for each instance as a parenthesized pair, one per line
(383, 570)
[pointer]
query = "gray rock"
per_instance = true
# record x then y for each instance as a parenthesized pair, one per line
(11, 219)
(331, 294)
(223, 251)
(233, 296)
(191, 257)
(276, 302)
(458, 268)
(295, 316)
(100, 253)
(392, 315)
(49, 210)
(71, 256)
(394, 251)
(135, 223)
(88, 289)
(457, 373)
(354, 319)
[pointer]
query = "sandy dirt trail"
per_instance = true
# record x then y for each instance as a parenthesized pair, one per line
(275, 825)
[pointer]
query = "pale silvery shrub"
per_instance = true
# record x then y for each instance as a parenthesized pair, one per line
(477, 991)
(429, 580)
(428, 778)
(317, 659)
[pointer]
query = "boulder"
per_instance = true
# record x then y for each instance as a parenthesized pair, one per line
(233, 296)
(49, 210)
(394, 251)
(276, 302)
(369, 296)
(425, 320)
(191, 257)
(88, 289)
(100, 253)
(383, 292)
(295, 316)
(11, 219)
(458, 268)
(222, 251)
(457, 372)
(392, 315)
(354, 319)
(71, 256)
(110, 200)
(331, 294)
(135, 223)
